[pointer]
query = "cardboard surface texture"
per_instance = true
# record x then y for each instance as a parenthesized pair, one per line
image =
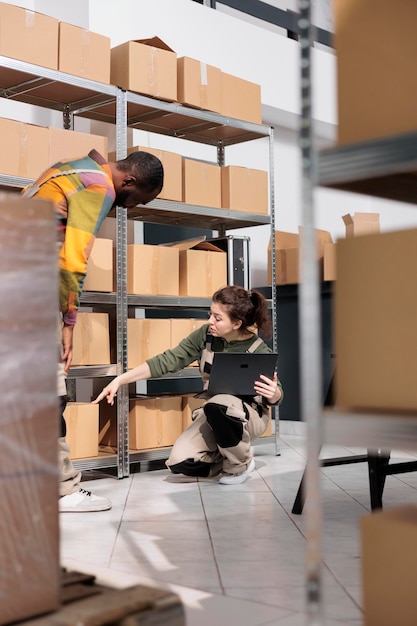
(146, 338)
(389, 564)
(25, 149)
(202, 183)
(375, 321)
(100, 267)
(28, 36)
(29, 526)
(92, 59)
(244, 189)
(69, 144)
(152, 270)
(155, 422)
(82, 429)
(241, 99)
(199, 84)
(147, 66)
(91, 342)
(202, 267)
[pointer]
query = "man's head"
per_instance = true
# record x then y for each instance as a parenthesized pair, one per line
(137, 179)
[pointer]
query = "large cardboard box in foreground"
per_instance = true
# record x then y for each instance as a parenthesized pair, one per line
(375, 321)
(29, 525)
(389, 565)
(376, 48)
(147, 66)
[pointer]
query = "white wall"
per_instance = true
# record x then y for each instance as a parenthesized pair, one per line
(253, 53)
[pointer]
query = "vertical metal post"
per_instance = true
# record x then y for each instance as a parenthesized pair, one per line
(310, 328)
(274, 313)
(121, 297)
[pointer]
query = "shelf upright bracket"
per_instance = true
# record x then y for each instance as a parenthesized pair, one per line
(310, 327)
(121, 297)
(220, 163)
(274, 312)
(68, 118)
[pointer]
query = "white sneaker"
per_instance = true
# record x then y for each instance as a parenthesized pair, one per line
(83, 501)
(236, 479)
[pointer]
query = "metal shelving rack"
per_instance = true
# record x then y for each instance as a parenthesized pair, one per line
(75, 96)
(383, 168)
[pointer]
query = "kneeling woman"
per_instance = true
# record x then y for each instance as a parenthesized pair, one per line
(218, 440)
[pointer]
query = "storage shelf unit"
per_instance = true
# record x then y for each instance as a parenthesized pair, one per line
(75, 96)
(383, 168)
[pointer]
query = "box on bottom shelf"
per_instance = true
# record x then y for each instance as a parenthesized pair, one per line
(82, 429)
(389, 565)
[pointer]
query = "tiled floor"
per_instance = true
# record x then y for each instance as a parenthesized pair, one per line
(235, 555)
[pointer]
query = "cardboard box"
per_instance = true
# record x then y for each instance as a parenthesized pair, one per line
(269, 430)
(202, 183)
(244, 189)
(154, 422)
(375, 51)
(199, 84)
(28, 36)
(329, 261)
(172, 164)
(147, 66)
(25, 149)
(389, 564)
(361, 224)
(241, 99)
(181, 328)
(100, 267)
(108, 230)
(202, 267)
(91, 339)
(189, 404)
(82, 429)
(29, 524)
(92, 59)
(69, 144)
(146, 338)
(287, 248)
(152, 270)
(375, 321)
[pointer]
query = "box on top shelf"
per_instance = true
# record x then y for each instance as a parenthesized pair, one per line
(361, 224)
(375, 321)
(244, 189)
(25, 149)
(202, 183)
(377, 82)
(203, 267)
(147, 66)
(199, 84)
(28, 36)
(92, 57)
(100, 267)
(389, 563)
(152, 270)
(241, 99)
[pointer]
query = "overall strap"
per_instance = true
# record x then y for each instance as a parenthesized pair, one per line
(255, 344)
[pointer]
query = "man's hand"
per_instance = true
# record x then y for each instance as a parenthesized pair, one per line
(67, 337)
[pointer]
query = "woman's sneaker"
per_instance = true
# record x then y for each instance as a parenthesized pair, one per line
(83, 501)
(236, 479)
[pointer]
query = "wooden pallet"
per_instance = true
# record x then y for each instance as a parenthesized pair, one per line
(84, 603)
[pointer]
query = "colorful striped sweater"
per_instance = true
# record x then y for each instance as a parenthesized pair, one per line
(82, 200)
